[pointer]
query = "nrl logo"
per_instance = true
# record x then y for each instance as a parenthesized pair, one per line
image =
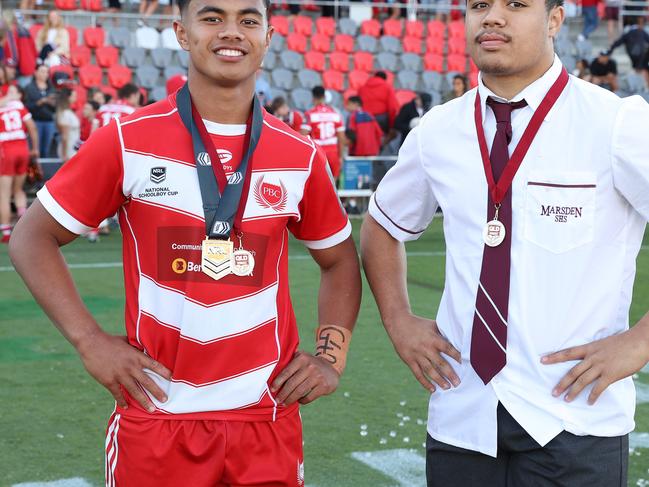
(270, 195)
(158, 174)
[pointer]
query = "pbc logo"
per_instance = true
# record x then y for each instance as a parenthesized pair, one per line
(270, 195)
(158, 174)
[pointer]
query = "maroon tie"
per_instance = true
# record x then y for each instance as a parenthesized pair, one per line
(489, 334)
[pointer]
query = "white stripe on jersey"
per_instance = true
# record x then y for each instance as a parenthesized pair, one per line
(328, 242)
(59, 213)
(111, 447)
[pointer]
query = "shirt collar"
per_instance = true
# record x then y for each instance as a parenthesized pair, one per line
(532, 93)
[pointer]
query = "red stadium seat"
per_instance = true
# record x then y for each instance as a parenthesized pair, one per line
(371, 27)
(363, 61)
(296, 42)
(434, 45)
(456, 62)
(280, 24)
(65, 4)
(94, 37)
(82, 96)
(333, 80)
(436, 28)
(62, 68)
(106, 56)
(412, 44)
(326, 26)
(404, 96)
(433, 62)
(315, 60)
(456, 29)
(303, 25)
(119, 75)
(73, 33)
(358, 78)
(90, 75)
(456, 45)
(92, 5)
(344, 43)
(108, 90)
(415, 28)
(473, 79)
(392, 27)
(389, 76)
(34, 30)
(321, 43)
(339, 61)
(349, 93)
(79, 56)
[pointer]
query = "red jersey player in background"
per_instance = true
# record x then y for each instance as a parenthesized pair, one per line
(292, 118)
(128, 99)
(15, 125)
(325, 126)
(208, 382)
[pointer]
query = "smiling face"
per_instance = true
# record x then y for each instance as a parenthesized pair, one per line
(227, 40)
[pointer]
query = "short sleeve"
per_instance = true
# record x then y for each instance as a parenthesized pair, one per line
(340, 126)
(404, 203)
(88, 188)
(323, 221)
(630, 153)
(24, 114)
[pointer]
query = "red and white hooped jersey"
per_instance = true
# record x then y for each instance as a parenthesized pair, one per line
(13, 116)
(224, 341)
(323, 124)
(109, 111)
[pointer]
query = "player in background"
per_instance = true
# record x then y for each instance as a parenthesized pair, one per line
(16, 125)
(293, 118)
(128, 99)
(325, 126)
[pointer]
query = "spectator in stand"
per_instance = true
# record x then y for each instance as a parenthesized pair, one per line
(636, 43)
(292, 118)
(98, 96)
(604, 71)
(591, 19)
(53, 40)
(612, 16)
(379, 99)
(459, 88)
(40, 100)
(67, 122)
(582, 70)
(15, 125)
(363, 132)
(147, 7)
(410, 114)
(128, 99)
(18, 45)
(325, 126)
(90, 109)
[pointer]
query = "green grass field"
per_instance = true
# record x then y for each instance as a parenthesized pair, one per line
(53, 416)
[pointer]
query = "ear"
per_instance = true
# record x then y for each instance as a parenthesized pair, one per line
(555, 20)
(269, 36)
(181, 34)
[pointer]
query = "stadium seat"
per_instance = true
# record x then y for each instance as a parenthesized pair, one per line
(434, 45)
(433, 62)
(389, 76)
(161, 57)
(344, 43)
(73, 34)
(412, 44)
(94, 37)
(92, 5)
(171, 71)
(321, 43)
(391, 44)
(270, 61)
(109, 90)
(168, 39)
(79, 56)
(133, 56)
(363, 61)
(119, 37)
(339, 61)
(367, 43)
(282, 78)
(280, 24)
(292, 60)
(404, 96)
(303, 25)
(62, 68)
(563, 46)
(456, 62)
(584, 49)
(456, 45)
(357, 79)
(106, 56)
(456, 29)
(296, 42)
(435, 98)
(276, 92)
(183, 58)
(335, 97)
(119, 75)
(387, 61)
(277, 43)
(326, 26)
(315, 60)
(301, 99)
(392, 27)
(473, 80)
(333, 80)
(432, 80)
(65, 4)
(415, 28)
(348, 27)
(90, 75)
(436, 29)
(158, 93)
(411, 62)
(408, 80)
(147, 76)
(371, 27)
(570, 62)
(34, 30)
(308, 78)
(147, 37)
(633, 83)
(82, 95)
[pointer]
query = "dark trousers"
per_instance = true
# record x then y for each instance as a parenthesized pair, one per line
(567, 461)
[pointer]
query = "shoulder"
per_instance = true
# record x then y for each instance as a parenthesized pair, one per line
(159, 113)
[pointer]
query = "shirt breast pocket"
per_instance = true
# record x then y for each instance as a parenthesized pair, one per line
(560, 210)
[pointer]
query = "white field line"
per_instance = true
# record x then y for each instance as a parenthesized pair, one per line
(75, 482)
(406, 467)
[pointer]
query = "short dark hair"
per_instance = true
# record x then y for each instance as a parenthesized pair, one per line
(318, 92)
(182, 4)
(93, 104)
(277, 102)
(381, 74)
(126, 91)
(355, 99)
(550, 4)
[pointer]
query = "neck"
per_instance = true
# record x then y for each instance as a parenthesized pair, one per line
(222, 104)
(508, 86)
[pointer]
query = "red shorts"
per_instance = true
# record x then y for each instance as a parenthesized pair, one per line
(334, 160)
(14, 159)
(142, 452)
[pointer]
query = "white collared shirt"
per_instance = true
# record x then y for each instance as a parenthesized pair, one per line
(580, 204)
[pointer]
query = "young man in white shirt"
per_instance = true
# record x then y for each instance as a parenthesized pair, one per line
(530, 358)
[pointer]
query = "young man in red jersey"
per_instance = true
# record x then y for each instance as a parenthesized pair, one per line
(128, 99)
(209, 377)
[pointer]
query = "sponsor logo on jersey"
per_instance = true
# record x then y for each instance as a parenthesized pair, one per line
(269, 195)
(179, 266)
(158, 174)
(225, 155)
